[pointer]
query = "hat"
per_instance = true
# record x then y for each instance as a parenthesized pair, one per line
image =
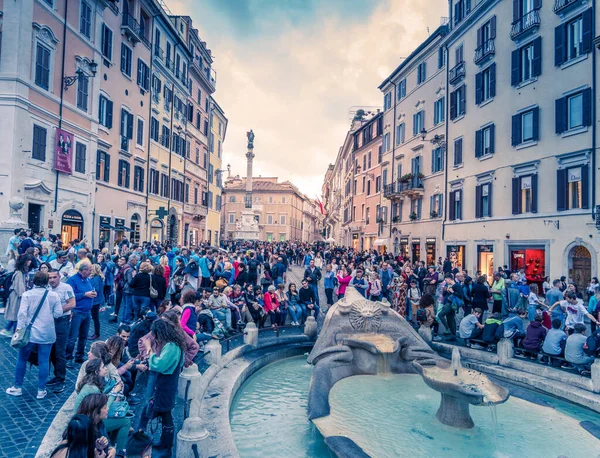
(61, 254)
(191, 268)
(151, 316)
(431, 267)
(271, 288)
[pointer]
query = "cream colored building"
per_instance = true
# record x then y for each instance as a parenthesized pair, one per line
(218, 130)
(279, 209)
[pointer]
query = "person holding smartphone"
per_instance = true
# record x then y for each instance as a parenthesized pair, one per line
(80, 322)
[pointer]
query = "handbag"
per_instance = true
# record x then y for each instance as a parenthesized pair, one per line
(21, 336)
(153, 292)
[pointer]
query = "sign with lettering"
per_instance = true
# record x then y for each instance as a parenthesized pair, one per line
(404, 240)
(63, 151)
(429, 240)
(120, 223)
(72, 216)
(354, 236)
(104, 221)
(597, 215)
(574, 174)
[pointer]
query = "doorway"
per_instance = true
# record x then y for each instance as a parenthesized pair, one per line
(72, 226)
(172, 228)
(581, 271)
(34, 217)
(134, 225)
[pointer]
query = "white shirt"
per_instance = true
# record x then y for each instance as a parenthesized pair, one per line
(575, 312)
(65, 270)
(65, 292)
(42, 329)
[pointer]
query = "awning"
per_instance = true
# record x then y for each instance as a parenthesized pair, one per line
(108, 226)
(380, 242)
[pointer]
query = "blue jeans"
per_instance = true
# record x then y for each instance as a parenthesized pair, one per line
(80, 324)
(11, 326)
(139, 303)
(224, 316)
(43, 361)
(315, 289)
(306, 311)
(126, 309)
(295, 312)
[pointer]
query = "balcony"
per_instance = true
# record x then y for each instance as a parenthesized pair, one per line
(485, 51)
(525, 25)
(562, 6)
(132, 29)
(155, 98)
(158, 52)
(170, 64)
(457, 73)
(199, 211)
(410, 186)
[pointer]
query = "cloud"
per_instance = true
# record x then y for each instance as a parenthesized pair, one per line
(297, 68)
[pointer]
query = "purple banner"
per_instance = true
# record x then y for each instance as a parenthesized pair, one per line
(63, 152)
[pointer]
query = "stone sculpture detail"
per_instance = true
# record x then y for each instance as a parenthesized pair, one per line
(365, 316)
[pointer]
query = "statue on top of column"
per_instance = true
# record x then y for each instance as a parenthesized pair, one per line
(250, 136)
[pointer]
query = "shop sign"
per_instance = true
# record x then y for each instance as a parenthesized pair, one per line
(354, 236)
(404, 240)
(575, 175)
(416, 241)
(50, 224)
(120, 223)
(485, 248)
(430, 240)
(597, 215)
(156, 223)
(63, 151)
(72, 216)
(104, 221)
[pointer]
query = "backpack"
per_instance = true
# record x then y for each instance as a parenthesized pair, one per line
(592, 344)
(421, 315)
(6, 282)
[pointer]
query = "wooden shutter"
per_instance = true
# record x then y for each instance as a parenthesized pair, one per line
(452, 209)
(534, 193)
(490, 199)
(516, 196)
(586, 23)
(107, 167)
(537, 57)
(478, 143)
(98, 155)
(493, 80)
(516, 10)
(492, 138)
(516, 130)
(585, 186)
(479, 37)
(515, 69)
(440, 204)
(493, 27)
(463, 99)
(478, 88)
(129, 126)
(453, 105)
(109, 114)
(478, 202)
(559, 45)
(123, 130)
(120, 174)
(432, 204)
(560, 115)
(561, 190)
(460, 207)
(587, 106)
(536, 123)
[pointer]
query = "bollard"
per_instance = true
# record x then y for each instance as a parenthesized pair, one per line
(192, 375)
(596, 376)
(213, 352)
(251, 334)
(425, 333)
(193, 435)
(505, 351)
(310, 327)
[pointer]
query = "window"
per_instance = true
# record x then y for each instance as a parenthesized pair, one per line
(38, 151)
(196, 196)
(459, 55)
(458, 102)
(283, 200)
(524, 194)
(438, 111)
(210, 173)
(400, 132)
(441, 58)
(484, 141)
(574, 111)
(573, 188)
(126, 57)
(138, 178)
(421, 72)
(369, 188)
(82, 93)
(80, 155)
(143, 75)
(164, 185)
(126, 129)
(42, 67)
(387, 101)
(573, 39)
(123, 177)
(437, 160)
(165, 138)
(85, 19)
(282, 220)
(106, 46)
(154, 129)
(231, 218)
(436, 204)
(187, 193)
(368, 215)
(199, 97)
(525, 126)
(485, 40)
(485, 84)
(526, 62)
(102, 166)
(269, 219)
(384, 179)
(418, 122)
(378, 185)
(402, 89)
(483, 200)
(140, 132)
(386, 142)
(458, 159)
(455, 211)
(153, 181)
(105, 112)
(461, 9)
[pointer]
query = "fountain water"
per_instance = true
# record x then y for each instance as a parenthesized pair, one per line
(456, 361)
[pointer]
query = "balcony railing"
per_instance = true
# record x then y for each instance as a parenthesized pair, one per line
(158, 52)
(133, 29)
(560, 5)
(400, 188)
(170, 64)
(155, 97)
(196, 210)
(457, 73)
(527, 23)
(483, 52)
(124, 143)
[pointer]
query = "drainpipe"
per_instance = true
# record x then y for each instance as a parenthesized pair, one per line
(594, 129)
(446, 155)
(393, 152)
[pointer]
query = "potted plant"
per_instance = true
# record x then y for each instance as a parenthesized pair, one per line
(405, 178)
(396, 219)
(379, 220)
(413, 216)
(420, 175)
(434, 214)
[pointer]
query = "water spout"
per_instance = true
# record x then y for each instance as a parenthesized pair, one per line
(456, 361)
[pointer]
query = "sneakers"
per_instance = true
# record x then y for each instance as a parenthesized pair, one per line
(476, 346)
(14, 391)
(41, 394)
(70, 364)
(59, 388)
(6, 333)
(437, 339)
(54, 381)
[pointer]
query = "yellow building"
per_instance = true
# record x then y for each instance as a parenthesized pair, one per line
(218, 130)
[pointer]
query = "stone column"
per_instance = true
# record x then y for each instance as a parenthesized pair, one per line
(251, 334)
(192, 375)
(214, 349)
(192, 439)
(596, 376)
(505, 351)
(310, 327)
(249, 158)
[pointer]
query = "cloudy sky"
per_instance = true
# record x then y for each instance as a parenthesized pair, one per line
(293, 69)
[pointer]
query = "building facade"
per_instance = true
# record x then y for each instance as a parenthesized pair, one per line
(217, 132)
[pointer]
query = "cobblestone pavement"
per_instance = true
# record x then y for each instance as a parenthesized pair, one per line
(24, 420)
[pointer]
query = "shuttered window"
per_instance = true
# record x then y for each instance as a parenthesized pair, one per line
(573, 111)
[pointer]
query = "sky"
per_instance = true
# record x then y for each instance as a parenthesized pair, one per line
(292, 70)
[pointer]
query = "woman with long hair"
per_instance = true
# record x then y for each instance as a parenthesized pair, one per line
(167, 365)
(79, 440)
(294, 307)
(97, 281)
(95, 406)
(19, 286)
(160, 284)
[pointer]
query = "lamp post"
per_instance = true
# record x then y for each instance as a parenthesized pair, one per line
(437, 140)
(80, 75)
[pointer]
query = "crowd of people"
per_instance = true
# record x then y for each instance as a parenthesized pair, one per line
(168, 301)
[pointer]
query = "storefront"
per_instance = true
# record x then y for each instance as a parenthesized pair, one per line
(355, 241)
(134, 225)
(456, 255)
(485, 260)
(404, 247)
(430, 248)
(120, 229)
(532, 260)
(104, 234)
(416, 250)
(156, 230)
(71, 226)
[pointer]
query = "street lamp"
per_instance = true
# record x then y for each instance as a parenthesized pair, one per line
(437, 140)
(80, 75)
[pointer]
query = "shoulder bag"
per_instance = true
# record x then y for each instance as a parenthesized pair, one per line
(21, 336)
(153, 292)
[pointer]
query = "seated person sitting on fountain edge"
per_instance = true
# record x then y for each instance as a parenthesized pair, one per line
(574, 352)
(492, 329)
(513, 326)
(470, 327)
(536, 333)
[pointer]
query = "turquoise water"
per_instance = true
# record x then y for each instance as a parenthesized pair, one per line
(394, 416)
(268, 415)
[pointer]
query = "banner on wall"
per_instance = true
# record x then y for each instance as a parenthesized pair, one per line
(63, 152)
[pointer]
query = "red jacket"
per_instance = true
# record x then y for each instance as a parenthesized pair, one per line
(344, 281)
(167, 275)
(271, 302)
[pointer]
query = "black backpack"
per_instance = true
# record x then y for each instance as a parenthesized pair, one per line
(6, 282)
(421, 315)
(592, 344)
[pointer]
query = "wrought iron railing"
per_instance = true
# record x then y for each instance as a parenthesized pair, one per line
(525, 23)
(457, 73)
(488, 48)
